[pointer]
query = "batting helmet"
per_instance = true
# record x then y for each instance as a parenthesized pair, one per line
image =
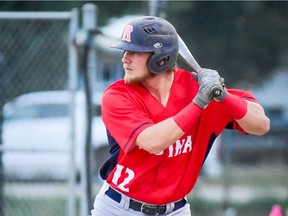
(151, 34)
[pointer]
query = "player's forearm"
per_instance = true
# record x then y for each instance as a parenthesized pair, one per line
(249, 115)
(254, 121)
(160, 136)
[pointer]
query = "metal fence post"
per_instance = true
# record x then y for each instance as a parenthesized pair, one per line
(2, 99)
(157, 8)
(72, 79)
(89, 25)
(227, 172)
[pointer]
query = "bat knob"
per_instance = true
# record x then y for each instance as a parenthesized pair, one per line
(216, 91)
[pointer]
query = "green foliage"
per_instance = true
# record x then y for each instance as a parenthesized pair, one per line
(243, 40)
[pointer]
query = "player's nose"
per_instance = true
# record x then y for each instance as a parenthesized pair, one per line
(126, 57)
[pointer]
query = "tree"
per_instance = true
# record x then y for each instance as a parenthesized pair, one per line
(245, 41)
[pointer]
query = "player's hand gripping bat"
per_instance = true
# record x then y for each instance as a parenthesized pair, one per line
(186, 55)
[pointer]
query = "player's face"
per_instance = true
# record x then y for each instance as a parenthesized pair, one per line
(134, 64)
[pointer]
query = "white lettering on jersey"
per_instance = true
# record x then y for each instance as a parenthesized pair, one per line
(180, 147)
(117, 174)
(188, 145)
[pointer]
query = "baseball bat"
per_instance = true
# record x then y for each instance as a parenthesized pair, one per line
(187, 56)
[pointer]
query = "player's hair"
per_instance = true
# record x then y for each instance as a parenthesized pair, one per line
(151, 34)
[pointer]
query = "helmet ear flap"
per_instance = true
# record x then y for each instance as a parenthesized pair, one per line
(158, 64)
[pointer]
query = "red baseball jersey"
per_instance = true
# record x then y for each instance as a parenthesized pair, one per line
(127, 109)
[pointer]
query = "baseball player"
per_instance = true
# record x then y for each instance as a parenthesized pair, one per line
(161, 123)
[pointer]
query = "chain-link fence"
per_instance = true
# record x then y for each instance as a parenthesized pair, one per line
(44, 123)
(246, 175)
(35, 107)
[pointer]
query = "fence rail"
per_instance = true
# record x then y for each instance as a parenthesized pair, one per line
(35, 15)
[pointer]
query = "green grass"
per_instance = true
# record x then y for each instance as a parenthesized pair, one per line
(14, 206)
(200, 207)
(255, 207)
(260, 180)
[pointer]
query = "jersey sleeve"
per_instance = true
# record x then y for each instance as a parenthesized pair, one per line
(243, 94)
(124, 117)
(247, 95)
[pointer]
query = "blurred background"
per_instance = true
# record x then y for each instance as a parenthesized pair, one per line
(55, 62)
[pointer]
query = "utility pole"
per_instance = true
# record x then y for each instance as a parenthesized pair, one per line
(2, 102)
(157, 8)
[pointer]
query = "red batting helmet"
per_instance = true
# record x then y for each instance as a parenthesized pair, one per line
(151, 34)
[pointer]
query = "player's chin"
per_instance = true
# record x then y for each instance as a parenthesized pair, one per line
(128, 78)
(132, 79)
(137, 78)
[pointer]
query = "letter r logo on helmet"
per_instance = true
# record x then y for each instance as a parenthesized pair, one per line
(126, 36)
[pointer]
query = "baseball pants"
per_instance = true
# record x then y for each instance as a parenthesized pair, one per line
(106, 206)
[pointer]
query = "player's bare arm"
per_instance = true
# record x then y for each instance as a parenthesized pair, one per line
(248, 114)
(255, 121)
(154, 139)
